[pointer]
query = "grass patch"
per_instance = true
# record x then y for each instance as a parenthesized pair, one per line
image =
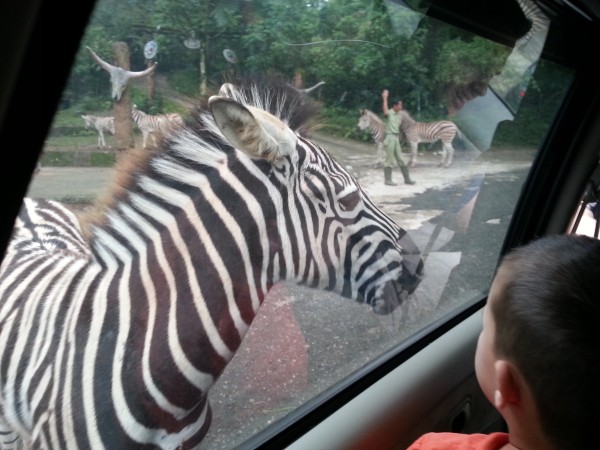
(58, 159)
(102, 159)
(51, 158)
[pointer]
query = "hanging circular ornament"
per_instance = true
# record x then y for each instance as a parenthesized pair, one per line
(192, 43)
(150, 49)
(230, 56)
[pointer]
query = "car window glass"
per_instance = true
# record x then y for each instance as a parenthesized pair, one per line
(501, 96)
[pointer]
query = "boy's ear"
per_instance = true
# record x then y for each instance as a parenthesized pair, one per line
(509, 384)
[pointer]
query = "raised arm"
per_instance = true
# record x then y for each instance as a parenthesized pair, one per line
(384, 96)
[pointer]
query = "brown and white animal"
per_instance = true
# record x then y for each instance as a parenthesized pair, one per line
(101, 124)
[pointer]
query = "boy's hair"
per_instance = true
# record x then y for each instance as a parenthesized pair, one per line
(548, 324)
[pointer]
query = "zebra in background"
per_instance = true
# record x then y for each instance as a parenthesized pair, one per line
(113, 337)
(101, 124)
(369, 121)
(415, 133)
(150, 125)
(429, 132)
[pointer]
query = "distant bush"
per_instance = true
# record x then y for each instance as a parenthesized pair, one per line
(185, 81)
(343, 123)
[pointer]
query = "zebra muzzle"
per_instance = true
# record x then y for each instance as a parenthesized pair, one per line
(397, 291)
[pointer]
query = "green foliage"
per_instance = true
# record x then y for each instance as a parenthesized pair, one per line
(358, 47)
(185, 81)
(57, 159)
(472, 59)
(93, 105)
(102, 159)
(337, 121)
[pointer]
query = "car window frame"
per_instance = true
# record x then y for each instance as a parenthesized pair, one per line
(549, 197)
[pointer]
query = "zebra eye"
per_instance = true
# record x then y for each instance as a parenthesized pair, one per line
(348, 201)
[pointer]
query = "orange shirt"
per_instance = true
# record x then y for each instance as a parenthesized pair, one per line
(456, 441)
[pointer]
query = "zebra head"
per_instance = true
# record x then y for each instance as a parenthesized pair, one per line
(111, 125)
(88, 121)
(329, 234)
(363, 121)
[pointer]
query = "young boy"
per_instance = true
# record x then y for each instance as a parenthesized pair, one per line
(538, 355)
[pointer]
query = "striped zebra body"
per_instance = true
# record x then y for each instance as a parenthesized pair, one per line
(429, 132)
(151, 125)
(113, 340)
(370, 122)
(415, 133)
(101, 124)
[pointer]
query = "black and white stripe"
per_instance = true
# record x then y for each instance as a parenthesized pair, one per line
(101, 124)
(539, 21)
(113, 340)
(429, 132)
(151, 125)
(370, 122)
(414, 132)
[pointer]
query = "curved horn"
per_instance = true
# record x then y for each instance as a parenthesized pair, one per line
(106, 66)
(119, 77)
(312, 88)
(143, 73)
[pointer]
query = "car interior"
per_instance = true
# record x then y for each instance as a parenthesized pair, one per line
(420, 379)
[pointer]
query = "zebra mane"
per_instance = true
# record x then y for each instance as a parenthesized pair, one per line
(274, 95)
(271, 94)
(406, 115)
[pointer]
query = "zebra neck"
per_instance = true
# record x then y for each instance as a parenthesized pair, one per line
(225, 218)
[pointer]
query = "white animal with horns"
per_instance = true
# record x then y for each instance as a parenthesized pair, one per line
(119, 77)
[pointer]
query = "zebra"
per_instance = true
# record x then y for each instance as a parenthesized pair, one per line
(101, 124)
(149, 125)
(113, 333)
(369, 121)
(415, 133)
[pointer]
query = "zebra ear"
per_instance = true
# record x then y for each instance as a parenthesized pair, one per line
(228, 90)
(252, 130)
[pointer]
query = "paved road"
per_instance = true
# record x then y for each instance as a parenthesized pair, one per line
(302, 341)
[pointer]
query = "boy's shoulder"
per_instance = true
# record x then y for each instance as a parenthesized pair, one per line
(457, 441)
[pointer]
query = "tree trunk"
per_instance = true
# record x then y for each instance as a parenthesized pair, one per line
(203, 85)
(150, 84)
(122, 108)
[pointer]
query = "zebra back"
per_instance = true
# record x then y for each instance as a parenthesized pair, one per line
(155, 123)
(444, 130)
(100, 123)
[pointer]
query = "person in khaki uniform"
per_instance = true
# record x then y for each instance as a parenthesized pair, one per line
(391, 143)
